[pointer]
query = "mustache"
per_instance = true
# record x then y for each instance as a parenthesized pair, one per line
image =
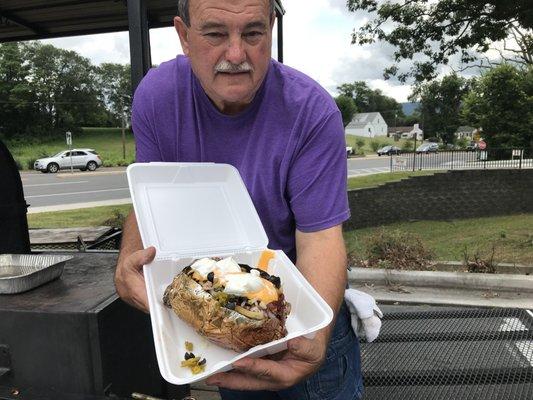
(227, 67)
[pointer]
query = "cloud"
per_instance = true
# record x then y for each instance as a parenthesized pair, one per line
(116, 49)
(317, 41)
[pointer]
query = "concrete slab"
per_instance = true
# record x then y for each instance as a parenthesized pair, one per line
(400, 294)
(76, 206)
(464, 280)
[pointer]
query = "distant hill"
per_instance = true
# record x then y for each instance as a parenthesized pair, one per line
(409, 108)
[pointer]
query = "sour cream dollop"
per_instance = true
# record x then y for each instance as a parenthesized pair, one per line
(220, 268)
(242, 284)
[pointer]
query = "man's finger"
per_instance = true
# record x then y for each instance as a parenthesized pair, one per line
(237, 380)
(260, 368)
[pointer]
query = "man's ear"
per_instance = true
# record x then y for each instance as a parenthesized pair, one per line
(272, 19)
(182, 30)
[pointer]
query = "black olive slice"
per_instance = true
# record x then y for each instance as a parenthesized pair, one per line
(245, 267)
(275, 281)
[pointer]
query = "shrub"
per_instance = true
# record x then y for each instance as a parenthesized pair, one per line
(18, 164)
(397, 249)
(479, 264)
(375, 145)
(117, 220)
(360, 143)
(462, 143)
(30, 162)
(408, 145)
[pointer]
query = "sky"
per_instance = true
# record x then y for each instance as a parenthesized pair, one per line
(317, 41)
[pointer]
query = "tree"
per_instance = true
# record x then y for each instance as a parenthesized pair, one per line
(45, 90)
(114, 83)
(64, 86)
(17, 104)
(369, 100)
(440, 104)
(436, 31)
(346, 107)
(501, 102)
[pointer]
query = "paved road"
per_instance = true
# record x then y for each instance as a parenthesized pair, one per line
(47, 192)
(106, 186)
(368, 165)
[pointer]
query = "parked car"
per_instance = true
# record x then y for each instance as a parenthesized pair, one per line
(389, 150)
(82, 159)
(349, 151)
(473, 146)
(428, 148)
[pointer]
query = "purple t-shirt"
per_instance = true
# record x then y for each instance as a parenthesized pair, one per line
(288, 144)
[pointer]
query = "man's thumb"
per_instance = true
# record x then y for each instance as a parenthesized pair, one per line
(148, 255)
(142, 257)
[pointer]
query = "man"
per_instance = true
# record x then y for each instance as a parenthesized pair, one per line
(227, 101)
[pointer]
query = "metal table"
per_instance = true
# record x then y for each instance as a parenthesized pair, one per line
(74, 336)
(451, 354)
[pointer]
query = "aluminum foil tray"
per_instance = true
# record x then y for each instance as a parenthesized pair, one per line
(22, 272)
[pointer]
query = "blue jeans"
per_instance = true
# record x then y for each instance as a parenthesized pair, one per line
(339, 377)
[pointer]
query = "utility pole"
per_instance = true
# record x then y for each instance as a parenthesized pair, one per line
(123, 136)
(123, 118)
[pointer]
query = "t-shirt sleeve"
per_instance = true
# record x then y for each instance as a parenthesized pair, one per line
(317, 181)
(142, 121)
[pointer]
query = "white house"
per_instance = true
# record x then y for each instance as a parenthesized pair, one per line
(367, 124)
(407, 132)
(467, 132)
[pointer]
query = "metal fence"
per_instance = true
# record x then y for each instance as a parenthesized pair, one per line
(461, 159)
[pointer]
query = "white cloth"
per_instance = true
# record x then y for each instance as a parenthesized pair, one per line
(365, 314)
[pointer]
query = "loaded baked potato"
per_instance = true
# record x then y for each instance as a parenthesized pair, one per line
(231, 304)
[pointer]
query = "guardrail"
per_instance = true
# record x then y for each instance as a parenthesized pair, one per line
(496, 158)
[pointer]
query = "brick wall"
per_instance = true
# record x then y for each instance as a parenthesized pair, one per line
(443, 196)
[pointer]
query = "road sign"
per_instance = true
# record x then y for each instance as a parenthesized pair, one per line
(482, 145)
(68, 136)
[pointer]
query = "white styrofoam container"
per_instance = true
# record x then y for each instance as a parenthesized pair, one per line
(193, 210)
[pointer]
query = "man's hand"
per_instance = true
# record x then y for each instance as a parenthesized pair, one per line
(129, 279)
(302, 359)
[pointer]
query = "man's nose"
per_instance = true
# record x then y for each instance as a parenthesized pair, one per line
(235, 53)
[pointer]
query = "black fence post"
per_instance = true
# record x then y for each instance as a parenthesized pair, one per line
(390, 163)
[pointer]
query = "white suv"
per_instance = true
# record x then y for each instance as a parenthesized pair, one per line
(82, 159)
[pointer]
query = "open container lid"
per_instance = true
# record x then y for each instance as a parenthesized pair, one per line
(194, 210)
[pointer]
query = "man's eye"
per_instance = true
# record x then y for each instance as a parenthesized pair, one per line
(253, 34)
(214, 34)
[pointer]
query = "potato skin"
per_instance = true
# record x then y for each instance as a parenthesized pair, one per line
(225, 327)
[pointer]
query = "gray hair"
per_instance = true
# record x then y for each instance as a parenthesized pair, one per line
(183, 10)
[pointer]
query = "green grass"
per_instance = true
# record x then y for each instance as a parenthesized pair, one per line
(512, 237)
(106, 141)
(77, 218)
(379, 179)
(366, 149)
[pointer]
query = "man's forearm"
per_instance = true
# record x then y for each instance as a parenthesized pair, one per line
(321, 258)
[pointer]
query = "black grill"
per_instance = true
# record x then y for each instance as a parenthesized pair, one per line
(452, 354)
